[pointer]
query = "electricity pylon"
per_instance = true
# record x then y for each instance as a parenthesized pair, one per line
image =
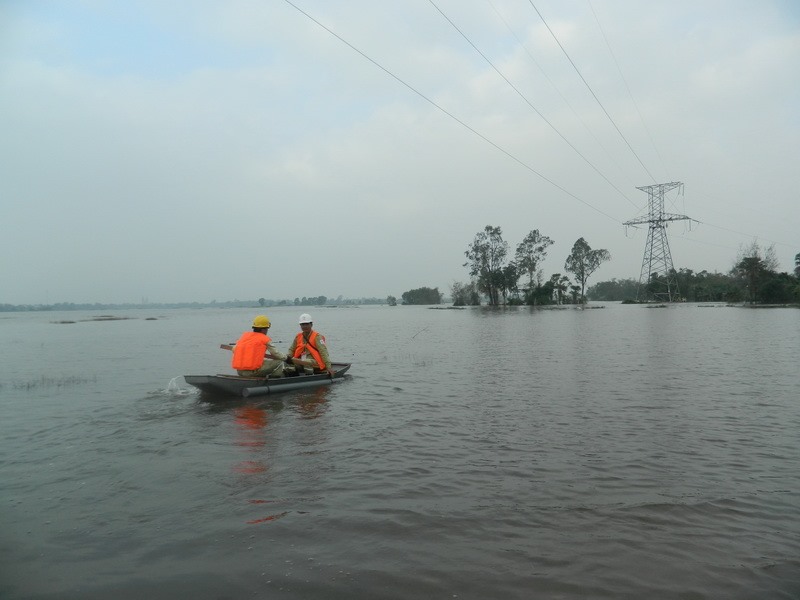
(657, 280)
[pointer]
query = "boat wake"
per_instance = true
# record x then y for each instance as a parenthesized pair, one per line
(175, 390)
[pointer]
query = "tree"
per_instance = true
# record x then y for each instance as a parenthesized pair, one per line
(487, 254)
(779, 288)
(658, 283)
(464, 294)
(422, 295)
(749, 269)
(262, 301)
(614, 290)
(797, 265)
(391, 301)
(583, 261)
(530, 254)
(541, 293)
(508, 284)
(560, 287)
(754, 267)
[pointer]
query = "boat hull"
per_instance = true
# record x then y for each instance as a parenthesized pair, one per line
(245, 387)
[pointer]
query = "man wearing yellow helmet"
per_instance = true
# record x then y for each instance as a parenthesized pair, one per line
(250, 351)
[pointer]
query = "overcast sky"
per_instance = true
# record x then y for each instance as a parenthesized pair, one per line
(210, 150)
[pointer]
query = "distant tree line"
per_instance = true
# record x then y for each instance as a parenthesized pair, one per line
(498, 279)
(423, 295)
(754, 279)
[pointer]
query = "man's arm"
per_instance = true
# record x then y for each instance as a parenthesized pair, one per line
(323, 354)
(274, 352)
(292, 347)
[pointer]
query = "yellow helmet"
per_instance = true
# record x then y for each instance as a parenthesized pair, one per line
(261, 322)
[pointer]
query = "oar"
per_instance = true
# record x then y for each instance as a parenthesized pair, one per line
(295, 361)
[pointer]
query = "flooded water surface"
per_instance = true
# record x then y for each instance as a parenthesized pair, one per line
(614, 452)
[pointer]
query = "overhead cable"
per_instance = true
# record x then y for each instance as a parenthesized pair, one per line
(627, 87)
(574, 66)
(452, 116)
(528, 102)
(558, 91)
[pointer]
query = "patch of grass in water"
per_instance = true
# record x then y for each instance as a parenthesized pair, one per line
(46, 381)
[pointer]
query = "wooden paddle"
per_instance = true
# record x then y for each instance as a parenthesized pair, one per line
(295, 361)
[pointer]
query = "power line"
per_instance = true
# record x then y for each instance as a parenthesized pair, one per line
(627, 87)
(750, 235)
(493, 144)
(451, 115)
(558, 91)
(574, 66)
(528, 102)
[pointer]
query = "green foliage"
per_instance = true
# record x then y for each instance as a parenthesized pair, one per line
(497, 279)
(583, 261)
(779, 288)
(770, 287)
(755, 267)
(706, 287)
(391, 301)
(508, 283)
(486, 256)
(422, 295)
(530, 254)
(465, 294)
(541, 294)
(561, 285)
(614, 290)
(313, 301)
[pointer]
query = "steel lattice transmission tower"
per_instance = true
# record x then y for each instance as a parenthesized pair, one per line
(657, 280)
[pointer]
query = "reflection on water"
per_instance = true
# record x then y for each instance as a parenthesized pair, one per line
(251, 420)
(251, 424)
(268, 518)
(313, 403)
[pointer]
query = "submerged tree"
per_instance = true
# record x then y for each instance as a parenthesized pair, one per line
(530, 254)
(560, 286)
(487, 254)
(583, 261)
(423, 295)
(508, 284)
(753, 266)
(464, 294)
(615, 290)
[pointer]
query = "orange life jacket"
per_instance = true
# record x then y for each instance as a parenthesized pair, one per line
(310, 347)
(248, 353)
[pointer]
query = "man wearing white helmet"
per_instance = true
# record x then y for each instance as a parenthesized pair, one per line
(249, 351)
(309, 345)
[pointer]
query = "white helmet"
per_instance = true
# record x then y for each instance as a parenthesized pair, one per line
(305, 318)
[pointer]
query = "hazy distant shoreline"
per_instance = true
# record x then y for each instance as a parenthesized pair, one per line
(64, 306)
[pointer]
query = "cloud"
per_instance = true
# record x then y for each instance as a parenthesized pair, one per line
(191, 154)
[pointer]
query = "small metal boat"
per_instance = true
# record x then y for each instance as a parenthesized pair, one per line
(234, 385)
